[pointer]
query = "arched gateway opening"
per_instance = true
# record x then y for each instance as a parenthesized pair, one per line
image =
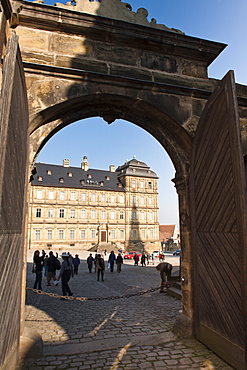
(105, 60)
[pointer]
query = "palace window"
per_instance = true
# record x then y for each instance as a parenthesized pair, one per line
(72, 213)
(39, 194)
(50, 213)
(61, 234)
(72, 234)
(142, 184)
(134, 233)
(103, 198)
(133, 199)
(134, 215)
(83, 234)
(143, 233)
(133, 183)
(150, 200)
(61, 213)
(121, 215)
(51, 194)
(112, 198)
(121, 198)
(150, 185)
(143, 216)
(113, 215)
(37, 234)
(62, 195)
(38, 212)
(142, 200)
(73, 195)
(49, 234)
(83, 213)
(150, 215)
(93, 215)
(103, 215)
(113, 234)
(121, 234)
(151, 233)
(93, 234)
(93, 197)
(83, 197)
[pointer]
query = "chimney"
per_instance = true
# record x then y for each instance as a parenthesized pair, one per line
(112, 168)
(66, 162)
(85, 164)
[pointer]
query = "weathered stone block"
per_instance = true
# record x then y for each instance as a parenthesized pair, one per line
(159, 62)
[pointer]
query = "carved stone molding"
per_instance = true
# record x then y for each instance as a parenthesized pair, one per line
(114, 9)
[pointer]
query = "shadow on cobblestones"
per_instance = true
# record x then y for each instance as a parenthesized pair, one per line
(127, 333)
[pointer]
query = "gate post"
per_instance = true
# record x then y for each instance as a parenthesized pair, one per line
(185, 321)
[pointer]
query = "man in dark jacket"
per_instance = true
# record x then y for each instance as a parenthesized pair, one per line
(51, 268)
(90, 261)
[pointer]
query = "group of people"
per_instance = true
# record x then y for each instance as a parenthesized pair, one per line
(70, 264)
(51, 264)
(99, 263)
(145, 258)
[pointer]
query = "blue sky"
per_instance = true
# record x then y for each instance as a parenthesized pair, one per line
(217, 20)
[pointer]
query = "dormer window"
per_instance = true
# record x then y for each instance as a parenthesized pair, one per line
(48, 172)
(70, 174)
(82, 182)
(61, 179)
(107, 178)
(101, 183)
(119, 185)
(89, 176)
(40, 178)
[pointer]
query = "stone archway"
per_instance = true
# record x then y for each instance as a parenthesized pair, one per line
(79, 64)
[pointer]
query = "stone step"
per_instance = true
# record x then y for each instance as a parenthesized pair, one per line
(175, 289)
(174, 292)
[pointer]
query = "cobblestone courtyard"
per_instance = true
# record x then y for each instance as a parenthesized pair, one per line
(124, 333)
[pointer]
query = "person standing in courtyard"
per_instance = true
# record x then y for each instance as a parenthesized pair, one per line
(51, 268)
(119, 262)
(90, 261)
(100, 267)
(111, 260)
(65, 274)
(76, 262)
(143, 259)
(165, 270)
(38, 262)
(136, 259)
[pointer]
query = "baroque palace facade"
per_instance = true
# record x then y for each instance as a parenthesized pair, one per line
(79, 207)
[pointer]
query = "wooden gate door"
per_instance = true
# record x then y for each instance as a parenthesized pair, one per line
(13, 185)
(219, 227)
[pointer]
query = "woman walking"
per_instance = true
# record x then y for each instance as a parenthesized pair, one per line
(38, 262)
(65, 273)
